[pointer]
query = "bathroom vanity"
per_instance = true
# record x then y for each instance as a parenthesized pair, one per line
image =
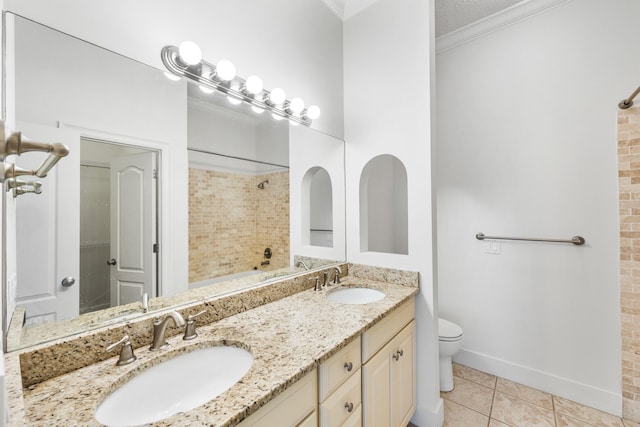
(316, 363)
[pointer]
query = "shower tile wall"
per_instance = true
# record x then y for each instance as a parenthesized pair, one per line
(231, 222)
(272, 220)
(629, 200)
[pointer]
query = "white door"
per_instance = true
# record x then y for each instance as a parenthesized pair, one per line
(133, 228)
(48, 231)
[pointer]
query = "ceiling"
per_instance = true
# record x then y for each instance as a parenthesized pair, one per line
(454, 14)
(450, 14)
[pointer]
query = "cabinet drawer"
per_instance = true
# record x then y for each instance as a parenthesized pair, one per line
(354, 420)
(338, 368)
(310, 421)
(290, 407)
(375, 338)
(342, 403)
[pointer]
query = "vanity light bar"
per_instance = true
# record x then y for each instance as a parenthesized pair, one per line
(212, 77)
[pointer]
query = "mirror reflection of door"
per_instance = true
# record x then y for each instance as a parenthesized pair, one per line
(321, 209)
(118, 224)
(47, 232)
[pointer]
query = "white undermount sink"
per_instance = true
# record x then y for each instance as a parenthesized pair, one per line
(173, 386)
(355, 295)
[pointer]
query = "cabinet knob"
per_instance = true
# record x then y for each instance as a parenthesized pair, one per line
(398, 354)
(348, 366)
(349, 406)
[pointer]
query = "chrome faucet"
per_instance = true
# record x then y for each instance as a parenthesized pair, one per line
(160, 328)
(302, 264)
(336, 278)
(126, 351)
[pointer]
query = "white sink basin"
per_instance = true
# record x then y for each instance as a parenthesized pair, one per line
(355, 295)
(176, 385)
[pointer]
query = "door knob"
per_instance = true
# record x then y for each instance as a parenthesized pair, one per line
(112, 261)
(68, 281)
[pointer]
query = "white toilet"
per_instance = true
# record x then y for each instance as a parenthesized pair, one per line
(450, 337)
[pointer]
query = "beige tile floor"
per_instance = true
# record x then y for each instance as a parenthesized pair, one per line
(483, 400)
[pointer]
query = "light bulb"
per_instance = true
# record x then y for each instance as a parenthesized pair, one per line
(313, 112)
(293, 123)
(170, 76)
(205, 89)
(225, 70)
(190, 53)
(277, 96)
(276, 116)
(253, 85)
(257, 110)
(296, 105)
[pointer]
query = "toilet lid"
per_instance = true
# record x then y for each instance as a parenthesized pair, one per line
(448, 331)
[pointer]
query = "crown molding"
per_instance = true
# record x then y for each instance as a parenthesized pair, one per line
(335, 6)
(495, 22)
(353, 7)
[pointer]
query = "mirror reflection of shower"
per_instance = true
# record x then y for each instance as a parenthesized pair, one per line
(261, 185)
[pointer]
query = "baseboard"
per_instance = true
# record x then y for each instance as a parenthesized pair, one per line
(603, 400)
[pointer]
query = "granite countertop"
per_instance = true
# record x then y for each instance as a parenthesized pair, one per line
(288, 339)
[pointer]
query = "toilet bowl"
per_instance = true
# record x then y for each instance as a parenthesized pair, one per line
(450, 338)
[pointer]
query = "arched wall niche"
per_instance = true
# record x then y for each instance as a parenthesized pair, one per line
(317, 208)
(384, 206)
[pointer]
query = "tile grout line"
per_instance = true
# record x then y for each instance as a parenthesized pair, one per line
(465, 406)
(493, 399)
(554, 409)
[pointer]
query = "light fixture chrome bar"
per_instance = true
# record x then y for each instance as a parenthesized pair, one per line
(576, 240)
(626, 103)
(170, 58)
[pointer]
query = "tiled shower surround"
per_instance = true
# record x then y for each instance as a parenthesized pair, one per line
(629, 200)
(232, 221)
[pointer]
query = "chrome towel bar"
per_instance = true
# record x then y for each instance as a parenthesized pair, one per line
(576, 240)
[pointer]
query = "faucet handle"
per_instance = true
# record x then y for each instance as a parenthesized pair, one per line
(190, 329)
(126, 352)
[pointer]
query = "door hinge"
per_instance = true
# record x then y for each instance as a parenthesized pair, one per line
(155, 174)
(156, 248)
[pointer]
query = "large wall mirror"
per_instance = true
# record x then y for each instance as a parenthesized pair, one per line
(167, 189)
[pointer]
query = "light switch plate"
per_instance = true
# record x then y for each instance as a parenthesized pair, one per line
(491, 247)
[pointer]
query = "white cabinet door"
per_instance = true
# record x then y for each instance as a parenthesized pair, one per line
(388, 381)
(376, 391)
(403, 380)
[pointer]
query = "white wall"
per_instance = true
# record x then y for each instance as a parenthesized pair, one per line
(241, 134)
(527, 147)
(387, 111)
